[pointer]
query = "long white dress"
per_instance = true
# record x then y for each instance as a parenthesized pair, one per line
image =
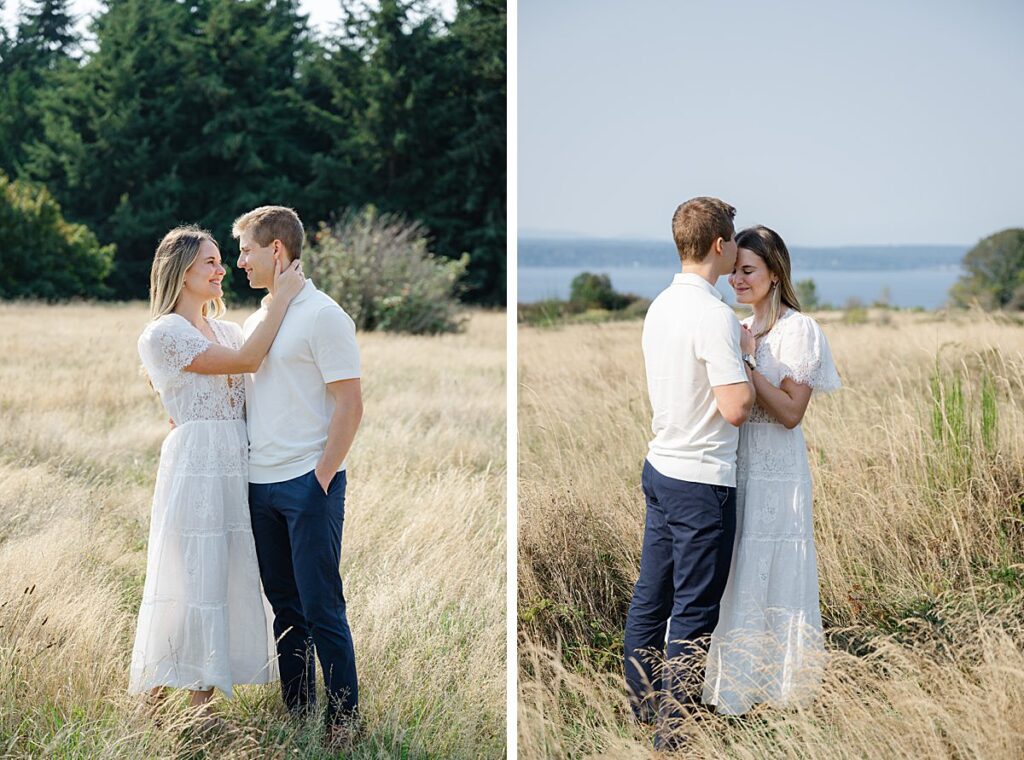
(768, 645)
(203, 621)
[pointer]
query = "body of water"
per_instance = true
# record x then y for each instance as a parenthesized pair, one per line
(903, 275)
(927, 287)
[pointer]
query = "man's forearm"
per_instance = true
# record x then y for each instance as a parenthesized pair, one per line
(340, 434)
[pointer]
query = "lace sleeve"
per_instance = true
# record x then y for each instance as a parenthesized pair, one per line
(166, 347)
(806, 357)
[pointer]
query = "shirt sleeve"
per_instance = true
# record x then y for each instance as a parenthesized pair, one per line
(805, 356)
(166, 347)
(334, 345)
(718, 346)
(249, 325)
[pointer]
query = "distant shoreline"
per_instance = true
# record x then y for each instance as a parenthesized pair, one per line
(922, 286)
(591, 253)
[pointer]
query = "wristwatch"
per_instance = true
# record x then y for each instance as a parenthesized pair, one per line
(750, 361)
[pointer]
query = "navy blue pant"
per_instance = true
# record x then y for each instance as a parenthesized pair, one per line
(687, 550)
(298, 544)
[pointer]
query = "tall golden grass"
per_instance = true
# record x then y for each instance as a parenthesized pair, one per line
(423, 555)
(918, 469)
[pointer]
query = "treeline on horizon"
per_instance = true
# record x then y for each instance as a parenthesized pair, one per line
(540, 252)
(194, 112)
(992, 272)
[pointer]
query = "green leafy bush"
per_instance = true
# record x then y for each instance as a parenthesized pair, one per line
(41, 254)
(595, 291)
(379, 268)
(637, 307)
(591, 299)
(546, 313)
(807, 294)
(995, 273)
(854, 312)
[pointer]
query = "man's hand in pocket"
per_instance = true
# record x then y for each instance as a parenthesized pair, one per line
(323, 480)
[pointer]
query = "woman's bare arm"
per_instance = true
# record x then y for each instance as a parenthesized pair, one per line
(787, 403)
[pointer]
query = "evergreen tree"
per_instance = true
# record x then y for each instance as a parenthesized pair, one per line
(249, 147)
(383, 63)
(47, 29)
(114, 130)
(471, 179)
(334, 99)
(43, 44)
(251, 133)
(198, 111)
(430, 126)
(186, 113)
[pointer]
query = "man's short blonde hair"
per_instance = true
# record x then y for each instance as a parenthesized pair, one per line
(698, 223)
(270, 223)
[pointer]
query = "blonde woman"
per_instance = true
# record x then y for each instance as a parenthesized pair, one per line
(768, 644)
(202, 622)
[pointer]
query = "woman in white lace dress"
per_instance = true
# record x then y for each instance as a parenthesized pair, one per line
(202, 622)
(768, 645)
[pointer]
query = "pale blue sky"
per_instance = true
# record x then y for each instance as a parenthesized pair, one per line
(835, 123)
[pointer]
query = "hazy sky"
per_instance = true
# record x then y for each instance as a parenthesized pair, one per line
(835, 123)
(322, 13)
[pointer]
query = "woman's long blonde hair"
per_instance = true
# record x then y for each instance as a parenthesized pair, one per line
(176, 253)
(768, 244)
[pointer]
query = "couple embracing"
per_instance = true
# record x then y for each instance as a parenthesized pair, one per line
(250, 491)
(728, 546)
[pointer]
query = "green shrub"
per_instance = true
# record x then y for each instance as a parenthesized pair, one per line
(806, 294)
(379, 268)
(637, 307)
(546, 313)
(592, 299)
(854, 312)
(994, 276)
(41, 254)
(595, 291)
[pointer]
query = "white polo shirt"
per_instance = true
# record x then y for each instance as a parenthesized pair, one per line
(691, 343)
(288, 408)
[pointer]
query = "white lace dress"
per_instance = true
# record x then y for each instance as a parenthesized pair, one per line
(768, 645)
(202, 622)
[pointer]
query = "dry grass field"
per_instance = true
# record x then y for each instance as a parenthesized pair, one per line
(919, 487)
(423, 557)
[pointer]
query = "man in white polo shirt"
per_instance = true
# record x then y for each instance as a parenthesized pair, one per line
(304, 406)
(699, 384)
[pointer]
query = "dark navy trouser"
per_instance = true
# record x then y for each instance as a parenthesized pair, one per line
(298, 544)
(687, 550)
